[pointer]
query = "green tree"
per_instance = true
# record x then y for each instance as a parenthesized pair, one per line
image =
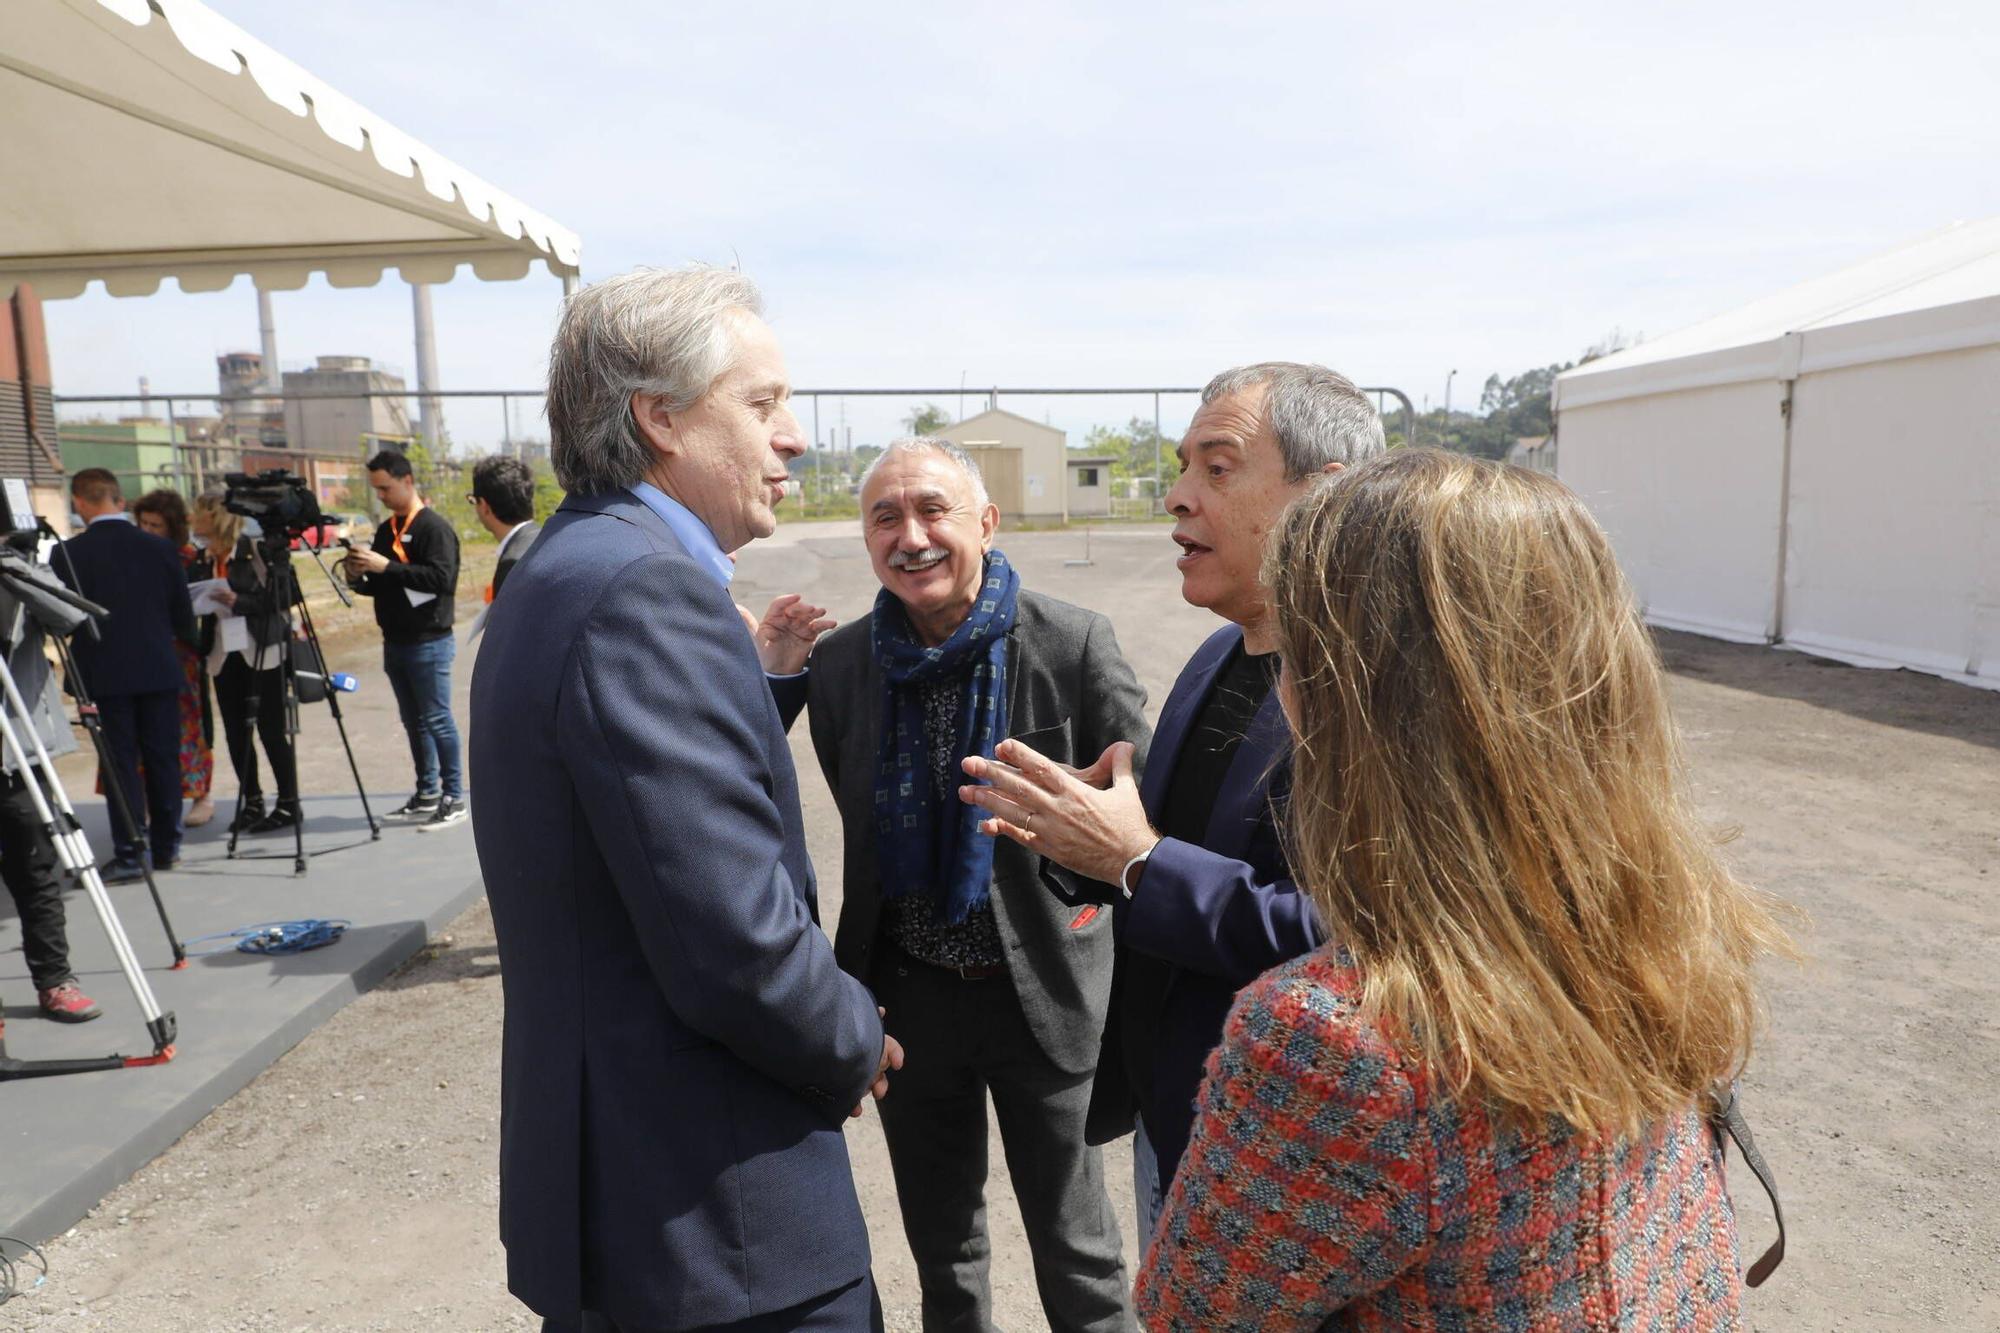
(1138, 455)
(926, 419)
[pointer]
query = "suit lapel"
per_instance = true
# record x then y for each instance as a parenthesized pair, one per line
(1178, 713)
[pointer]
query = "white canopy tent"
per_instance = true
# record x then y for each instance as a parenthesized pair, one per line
(1819, 469)
(151, 140)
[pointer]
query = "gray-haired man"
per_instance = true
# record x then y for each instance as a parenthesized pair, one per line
(1204, 898)
(991, 982)
(681, 1048)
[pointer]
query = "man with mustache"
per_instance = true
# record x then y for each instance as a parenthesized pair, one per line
(681, 1049)
(993, 983)
(1203, 899)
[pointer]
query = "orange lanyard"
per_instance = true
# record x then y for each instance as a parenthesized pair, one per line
(396, 533)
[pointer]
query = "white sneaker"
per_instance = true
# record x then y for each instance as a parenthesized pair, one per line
(450, 810)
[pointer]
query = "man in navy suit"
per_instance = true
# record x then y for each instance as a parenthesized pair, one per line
(681, 1049)
(1206, 901)
(130, 668)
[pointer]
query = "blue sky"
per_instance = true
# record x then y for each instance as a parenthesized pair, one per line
(1128, 193)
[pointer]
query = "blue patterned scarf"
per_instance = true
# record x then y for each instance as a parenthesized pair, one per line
(926, 843)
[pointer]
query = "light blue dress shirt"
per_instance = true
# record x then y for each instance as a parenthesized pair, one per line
(693, 533)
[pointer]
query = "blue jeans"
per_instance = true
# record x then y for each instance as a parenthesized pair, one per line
(420, 674)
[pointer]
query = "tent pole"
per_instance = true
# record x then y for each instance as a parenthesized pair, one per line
(1789, 355)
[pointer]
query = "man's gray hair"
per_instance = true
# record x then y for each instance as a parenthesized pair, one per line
(917, 444)
(655, 331)
(1317, 414)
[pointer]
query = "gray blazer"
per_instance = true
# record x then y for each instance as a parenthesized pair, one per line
(1071, 694)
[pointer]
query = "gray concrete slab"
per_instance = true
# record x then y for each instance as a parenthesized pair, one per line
(67, 1141)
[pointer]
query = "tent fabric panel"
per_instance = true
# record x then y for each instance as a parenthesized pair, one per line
(1895, 506)
(1728, 365)
(129, 185)
(1893, 337)
(192, 151)
(1687, 485)
(1955, 265)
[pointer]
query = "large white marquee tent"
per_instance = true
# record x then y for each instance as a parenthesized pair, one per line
(1819, 469)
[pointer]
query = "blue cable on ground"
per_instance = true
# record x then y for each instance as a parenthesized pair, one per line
(272, 937)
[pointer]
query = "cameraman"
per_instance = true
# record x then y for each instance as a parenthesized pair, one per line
(27, 857)
(412, 573)
(250, 677)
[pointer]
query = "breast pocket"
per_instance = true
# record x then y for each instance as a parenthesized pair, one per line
(1051, 742)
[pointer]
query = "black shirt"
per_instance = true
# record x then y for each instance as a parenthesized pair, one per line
(1199, 772)
(432, 546)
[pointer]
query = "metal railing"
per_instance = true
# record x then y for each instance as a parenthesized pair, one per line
(491, 420)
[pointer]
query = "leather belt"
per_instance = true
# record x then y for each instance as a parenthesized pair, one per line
(977, 972)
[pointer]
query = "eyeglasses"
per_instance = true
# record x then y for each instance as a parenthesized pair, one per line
(473, 500)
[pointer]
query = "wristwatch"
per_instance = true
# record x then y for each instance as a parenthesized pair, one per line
(1125, 875)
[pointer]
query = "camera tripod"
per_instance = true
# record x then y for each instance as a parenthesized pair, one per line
(73, 854)
(289, 595)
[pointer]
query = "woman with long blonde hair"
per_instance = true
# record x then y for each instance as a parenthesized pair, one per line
(1484, 1104)
(249, 678)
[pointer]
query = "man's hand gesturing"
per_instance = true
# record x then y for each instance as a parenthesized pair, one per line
(1088, 820)
(786, 634)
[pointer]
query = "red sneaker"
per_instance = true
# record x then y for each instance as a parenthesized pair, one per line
(66, 1003)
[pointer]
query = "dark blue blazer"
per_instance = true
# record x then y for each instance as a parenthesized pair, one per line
(681, 1049)
(1220, 913)
(142, 581)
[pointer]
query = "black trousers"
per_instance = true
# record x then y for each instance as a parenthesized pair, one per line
(963, 1040)
(28, 865)
(148, 727)
(233, 687)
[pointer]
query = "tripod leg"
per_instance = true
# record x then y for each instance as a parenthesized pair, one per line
(93, 724)
(339, 724)
(73, 852)
(289, 684)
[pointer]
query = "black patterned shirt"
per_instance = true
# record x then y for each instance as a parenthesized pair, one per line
(911, 920)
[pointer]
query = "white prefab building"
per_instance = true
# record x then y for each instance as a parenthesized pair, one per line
(1090, 487)
(1819, 469)
(1024, 463)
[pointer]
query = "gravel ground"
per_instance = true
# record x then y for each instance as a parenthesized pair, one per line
(352, 1185)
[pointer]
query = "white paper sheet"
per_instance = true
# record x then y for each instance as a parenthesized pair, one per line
(419, 598)
(235, 634)
(204, 594)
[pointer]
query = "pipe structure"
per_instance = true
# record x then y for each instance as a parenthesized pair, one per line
(267, 338)
(430, 412)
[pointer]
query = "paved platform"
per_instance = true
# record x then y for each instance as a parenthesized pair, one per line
(66, 1141)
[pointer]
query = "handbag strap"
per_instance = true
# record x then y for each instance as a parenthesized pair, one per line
(1726, 1114)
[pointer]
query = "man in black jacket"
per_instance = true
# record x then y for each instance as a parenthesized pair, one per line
(130, 668)
(503, 496)
(412, 573)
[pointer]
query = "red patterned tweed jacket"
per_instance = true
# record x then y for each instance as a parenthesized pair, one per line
(1328, 1185)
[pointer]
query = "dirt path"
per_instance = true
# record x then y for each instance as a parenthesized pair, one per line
(352, 1186)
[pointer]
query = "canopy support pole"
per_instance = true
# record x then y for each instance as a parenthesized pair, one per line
(1789, 355)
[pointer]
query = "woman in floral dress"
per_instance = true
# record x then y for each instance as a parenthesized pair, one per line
(164, 514)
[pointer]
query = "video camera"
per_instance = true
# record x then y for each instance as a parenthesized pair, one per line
(279, 500)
